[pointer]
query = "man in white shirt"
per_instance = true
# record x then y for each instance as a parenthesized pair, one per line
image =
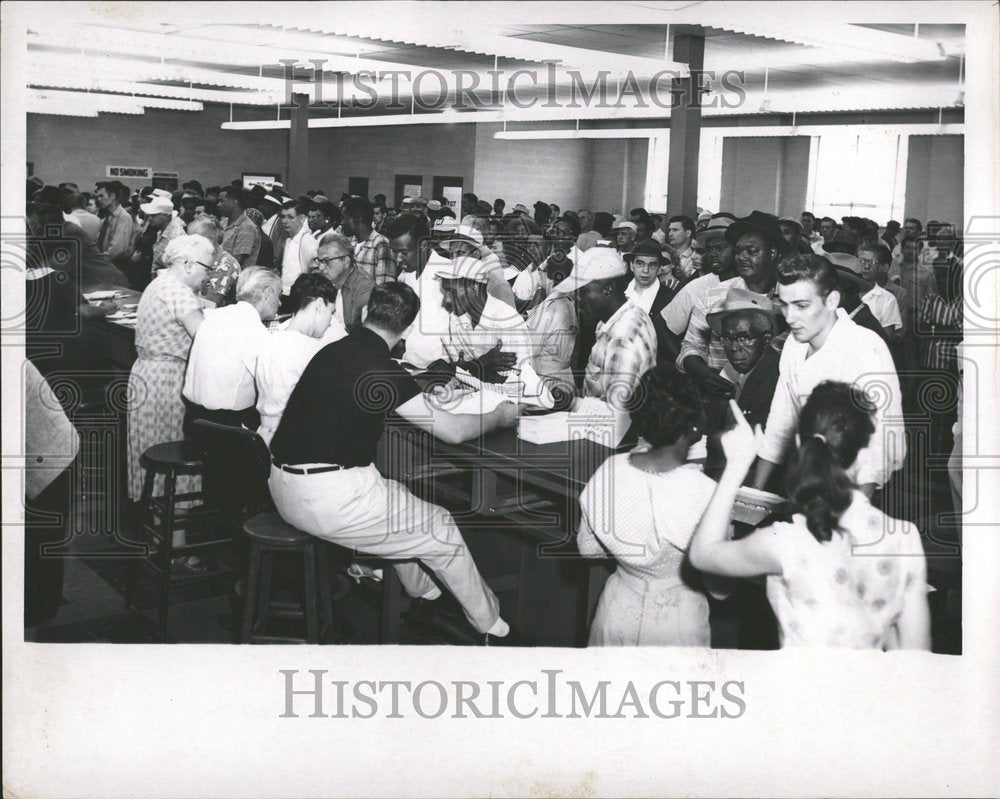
(78, 214)
(485, 335)
(285, 353)
(883, 304)
(219, 384)
(680, 232)
(300, 248)
(649, 293)
(825, 344)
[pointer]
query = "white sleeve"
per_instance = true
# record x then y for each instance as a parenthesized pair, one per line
(887, 448)
(678, 311)
(782, 420)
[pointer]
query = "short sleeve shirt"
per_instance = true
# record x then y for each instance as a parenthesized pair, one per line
(336, 414)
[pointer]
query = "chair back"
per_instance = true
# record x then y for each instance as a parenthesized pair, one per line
(237, 465)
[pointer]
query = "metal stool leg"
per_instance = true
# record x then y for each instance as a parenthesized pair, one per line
(250, 592)
(263, 609)
(167, 548)
(325, 599)
(392, 605)
(133, 572)
(311, 591)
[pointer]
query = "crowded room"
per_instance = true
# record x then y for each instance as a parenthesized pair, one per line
(455, 329)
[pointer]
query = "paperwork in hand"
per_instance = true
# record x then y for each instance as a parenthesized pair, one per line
(523, 386)
(459, 399)
(590, 418)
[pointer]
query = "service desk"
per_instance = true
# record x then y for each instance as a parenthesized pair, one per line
(517, 505)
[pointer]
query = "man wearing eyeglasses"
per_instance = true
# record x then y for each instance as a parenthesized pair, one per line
(745, 326)
(335, 259)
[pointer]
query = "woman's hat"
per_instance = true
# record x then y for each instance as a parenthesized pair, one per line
(848, 267)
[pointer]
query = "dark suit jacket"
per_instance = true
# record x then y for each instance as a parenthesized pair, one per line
(356, 290)
(758, 390)
(663, 297)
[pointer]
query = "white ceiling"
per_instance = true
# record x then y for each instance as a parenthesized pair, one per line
(184, 55)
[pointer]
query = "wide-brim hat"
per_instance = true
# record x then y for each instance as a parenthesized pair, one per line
(648, 247)
(463, 269)
(716, 228)
(765, 225)
(520, 209)
(848, 267)
(623, 224)
(597, 263)
(843, 241)
(742, 300)
(465, 233)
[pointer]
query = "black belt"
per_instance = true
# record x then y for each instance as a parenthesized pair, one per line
(308, 470)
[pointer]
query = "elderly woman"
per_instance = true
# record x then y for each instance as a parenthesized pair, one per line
(220, 284)
(169, 314)
(642, 508)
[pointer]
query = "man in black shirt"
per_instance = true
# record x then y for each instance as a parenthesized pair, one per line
(324, 480)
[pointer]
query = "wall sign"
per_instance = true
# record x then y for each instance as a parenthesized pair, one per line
(265, 179)
(134, 172)
(169, 181)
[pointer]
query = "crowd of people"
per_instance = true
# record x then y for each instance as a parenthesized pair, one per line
(784, 354)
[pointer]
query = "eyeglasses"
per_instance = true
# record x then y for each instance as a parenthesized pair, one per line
(743, 342)
(209, 267)
(868, 261)
(331, 259)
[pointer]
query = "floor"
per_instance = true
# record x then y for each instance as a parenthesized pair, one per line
(93, 608)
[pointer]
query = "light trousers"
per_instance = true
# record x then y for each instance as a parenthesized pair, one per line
(361, 510)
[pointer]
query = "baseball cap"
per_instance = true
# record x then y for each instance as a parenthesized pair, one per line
(597, 263)
(462, 269)
(157, 205)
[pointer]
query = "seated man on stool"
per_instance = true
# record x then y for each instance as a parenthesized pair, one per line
(219, 383)
(324, 479)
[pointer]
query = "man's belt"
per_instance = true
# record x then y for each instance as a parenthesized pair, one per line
(308, 469)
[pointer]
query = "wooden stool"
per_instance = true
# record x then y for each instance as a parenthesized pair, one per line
(170, 460)
(269, 534)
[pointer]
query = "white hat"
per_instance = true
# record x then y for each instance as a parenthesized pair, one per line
(161, 193)
(623, 224)
(597, 263)
(157, 205)
(434, 205)
(463, 233)
(467, 268)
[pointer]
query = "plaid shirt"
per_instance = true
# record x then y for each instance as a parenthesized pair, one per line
(242, 237)
(222, 279)
(700, 340)
(625, 349)
(374, 256)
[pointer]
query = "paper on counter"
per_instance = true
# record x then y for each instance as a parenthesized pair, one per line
(524, 386)
(590, 418)
(466, 400)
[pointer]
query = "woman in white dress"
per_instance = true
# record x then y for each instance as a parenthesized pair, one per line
(841, 573)
(641, 508)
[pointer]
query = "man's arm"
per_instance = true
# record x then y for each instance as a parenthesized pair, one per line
(454, 428)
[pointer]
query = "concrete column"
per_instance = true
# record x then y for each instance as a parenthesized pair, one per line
(298, 147)
(685, 129)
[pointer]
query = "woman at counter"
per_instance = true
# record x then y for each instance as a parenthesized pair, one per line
(168, 316)
(642, 508)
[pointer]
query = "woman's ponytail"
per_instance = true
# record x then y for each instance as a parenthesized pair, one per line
(835, 424)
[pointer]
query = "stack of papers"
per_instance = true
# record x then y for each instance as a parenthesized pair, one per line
(465, 400)
(591, 419)
(753, 506)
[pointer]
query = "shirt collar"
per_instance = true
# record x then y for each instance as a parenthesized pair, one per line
(613, 320)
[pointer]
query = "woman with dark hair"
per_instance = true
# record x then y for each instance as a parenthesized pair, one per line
(840, 573)
(641, 508)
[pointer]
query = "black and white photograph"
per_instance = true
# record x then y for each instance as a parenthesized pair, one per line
(502, 386)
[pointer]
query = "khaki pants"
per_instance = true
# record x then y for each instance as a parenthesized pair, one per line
(359, 509)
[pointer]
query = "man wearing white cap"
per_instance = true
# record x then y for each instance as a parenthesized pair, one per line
(624, 337)
(623, 231)
(485, 335)
(161, 218)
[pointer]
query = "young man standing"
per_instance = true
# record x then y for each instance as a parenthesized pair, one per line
(117, 228)
(649, 293)
(240, 237)
(825, 344)
(372, 251)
